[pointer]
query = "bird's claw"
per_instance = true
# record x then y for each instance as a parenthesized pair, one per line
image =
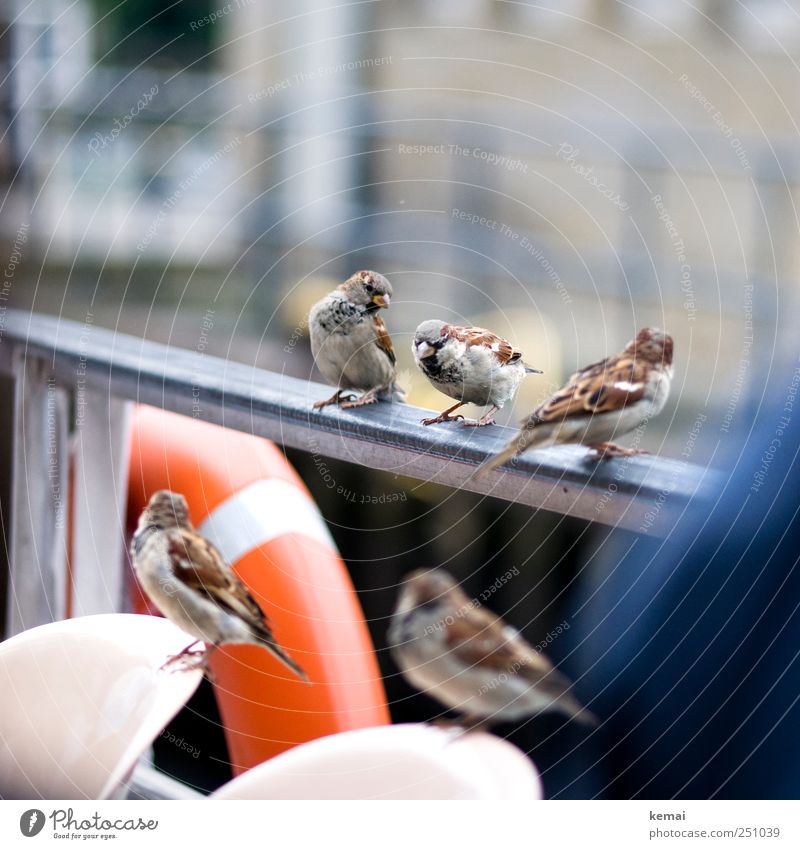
(478, 422)
(607, 450)
(336, 398)
(370, 397)
(189, 662)
(186, 661)
(442, 419)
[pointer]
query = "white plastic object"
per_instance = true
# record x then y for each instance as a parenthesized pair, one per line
(393, 762)
(83, 699)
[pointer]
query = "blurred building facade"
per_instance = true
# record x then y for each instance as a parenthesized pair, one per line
(565, 172)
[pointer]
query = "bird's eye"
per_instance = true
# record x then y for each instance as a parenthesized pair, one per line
(369, 287)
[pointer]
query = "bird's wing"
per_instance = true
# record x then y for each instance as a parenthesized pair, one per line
(198, 564)
(594, 368)
(480, 637)
(504, 351)
(200, 567)
(603, 387)
(383, 339)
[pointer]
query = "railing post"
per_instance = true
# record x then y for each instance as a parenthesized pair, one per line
(36, 592)
(100, 485)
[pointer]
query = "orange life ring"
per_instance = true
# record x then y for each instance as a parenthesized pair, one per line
(244, 496)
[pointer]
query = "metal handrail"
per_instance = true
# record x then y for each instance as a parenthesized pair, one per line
(642, 493)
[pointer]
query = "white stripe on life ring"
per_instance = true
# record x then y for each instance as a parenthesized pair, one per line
(261, 512)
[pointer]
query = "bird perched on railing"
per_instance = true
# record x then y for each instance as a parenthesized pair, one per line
(601, 402)
(470, 364)
(190, 583)
(350, 343)
(469, 659)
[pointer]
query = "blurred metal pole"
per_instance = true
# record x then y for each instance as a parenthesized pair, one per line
(721, 16)
(606, 13)
(774, 240)
(99, 497)
(6, 464)
(37, 588)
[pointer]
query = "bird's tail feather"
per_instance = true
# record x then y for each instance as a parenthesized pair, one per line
(575, 710)
(398, 393)
(563, 700)
(395, 392)
(493, 462)
(283, 657)
(530, 436)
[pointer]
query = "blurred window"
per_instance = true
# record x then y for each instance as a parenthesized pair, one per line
(145, 31)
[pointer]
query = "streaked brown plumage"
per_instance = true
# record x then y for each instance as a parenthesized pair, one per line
(471, 364)
(600, 402)
(350, 343)
(190, 583)
(469, 659)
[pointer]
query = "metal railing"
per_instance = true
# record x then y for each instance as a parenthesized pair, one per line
(72, 389)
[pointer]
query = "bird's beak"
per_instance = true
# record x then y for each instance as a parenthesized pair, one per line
(381, 300)
(424, 350)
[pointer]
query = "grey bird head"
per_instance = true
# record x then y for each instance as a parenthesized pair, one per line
(429, 338)
(369, 289)
(165, 510)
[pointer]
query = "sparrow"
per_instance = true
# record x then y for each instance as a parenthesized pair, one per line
(470, 364)
(603, 400)
(350, 343)
(469, 659)
(190, 583)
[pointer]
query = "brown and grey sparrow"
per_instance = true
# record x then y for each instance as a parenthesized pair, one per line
(600, 402)
(350, 343)
(469, 659)
(190, 583)
(470, 364)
